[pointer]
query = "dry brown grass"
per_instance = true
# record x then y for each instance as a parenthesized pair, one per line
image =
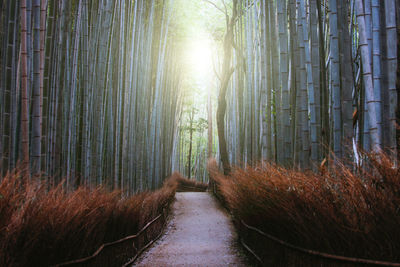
(40, 227)
(189, 185)
(342, 212)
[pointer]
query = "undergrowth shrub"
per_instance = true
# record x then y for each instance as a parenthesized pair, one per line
(185, 185)
(340, 211)
(40, 227)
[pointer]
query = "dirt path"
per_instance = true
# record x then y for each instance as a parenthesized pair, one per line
(199, 234)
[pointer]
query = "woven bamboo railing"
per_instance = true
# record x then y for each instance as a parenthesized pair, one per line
(305, 257)
(276, 252)
(123, 252)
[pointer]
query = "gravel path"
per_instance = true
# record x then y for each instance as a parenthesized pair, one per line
(199, 234)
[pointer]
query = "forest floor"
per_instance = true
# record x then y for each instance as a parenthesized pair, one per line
(200, 233)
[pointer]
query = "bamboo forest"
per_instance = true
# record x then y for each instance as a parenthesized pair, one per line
(122, 121)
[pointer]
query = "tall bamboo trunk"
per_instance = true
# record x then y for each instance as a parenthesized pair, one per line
(24, 94)
(325, 129)
(283, 45)
(335, 78)
(304, 68)
(37, 94)
(346, 79)
(191, 118)
(392, 61)
(210, 124)
(316, 141)
(368, 81)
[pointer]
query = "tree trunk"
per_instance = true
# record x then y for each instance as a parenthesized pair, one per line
(37, 95)
(210, 124)
(227, 71)
(392, 61)
(24, 94)
(191, 118)
(316, 73)
(367, 74)
(325, 130)
(346, 79)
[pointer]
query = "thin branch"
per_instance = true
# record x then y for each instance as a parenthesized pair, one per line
(215, 71)
(226, 10)
(210, 2)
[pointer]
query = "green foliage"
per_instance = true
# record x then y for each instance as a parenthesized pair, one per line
(195, 17)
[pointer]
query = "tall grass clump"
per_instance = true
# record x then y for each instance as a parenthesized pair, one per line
(340, 211)
(41, 227)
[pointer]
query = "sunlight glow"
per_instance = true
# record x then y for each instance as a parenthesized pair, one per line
(199, 57)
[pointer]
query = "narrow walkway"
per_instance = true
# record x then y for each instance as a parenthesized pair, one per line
(199, 234)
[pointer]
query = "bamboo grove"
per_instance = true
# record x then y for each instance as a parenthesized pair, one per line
(312, 78)
(84, 91)
(90, 90)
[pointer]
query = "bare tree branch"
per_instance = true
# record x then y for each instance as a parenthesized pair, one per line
(215, 70)
(226, 10)
(217, 7)
(216, 73)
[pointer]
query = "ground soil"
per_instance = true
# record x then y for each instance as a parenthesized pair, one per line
(200, 233)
